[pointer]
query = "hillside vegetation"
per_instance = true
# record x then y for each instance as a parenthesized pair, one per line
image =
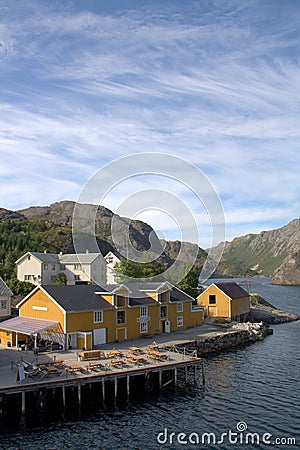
(260, 253)
(49, 228)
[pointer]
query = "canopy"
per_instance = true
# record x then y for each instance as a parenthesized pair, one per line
(27, 325)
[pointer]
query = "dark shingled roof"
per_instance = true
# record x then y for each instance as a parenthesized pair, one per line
(78, 297)
(4, 289)
(134, 292)
(233, 290)
(137, 289)
(179, 296)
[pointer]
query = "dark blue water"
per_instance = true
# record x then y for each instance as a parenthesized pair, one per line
(257, 385)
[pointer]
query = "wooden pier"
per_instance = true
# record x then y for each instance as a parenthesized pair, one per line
(106, 381)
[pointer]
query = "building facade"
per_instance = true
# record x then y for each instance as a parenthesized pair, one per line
(5, 299)
(85, 316)
(111, 260)
(41, 268)
(227, 300)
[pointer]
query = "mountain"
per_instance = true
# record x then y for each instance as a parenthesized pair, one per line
(289, 271)
(260, 253)
(40, 228)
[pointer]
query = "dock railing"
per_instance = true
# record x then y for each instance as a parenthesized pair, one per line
(181, 351)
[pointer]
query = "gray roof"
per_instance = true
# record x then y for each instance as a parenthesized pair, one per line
(78, 297)
(137, 289)
(4, 289)
(68, 258)
(233, 290)
(45, 257)
(27, 325)
(179, 296)
(82, 258)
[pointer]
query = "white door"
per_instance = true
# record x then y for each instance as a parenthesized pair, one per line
(167, 326)
(99, 336)
(72, 340)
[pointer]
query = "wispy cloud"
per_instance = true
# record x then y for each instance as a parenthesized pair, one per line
(218, 85)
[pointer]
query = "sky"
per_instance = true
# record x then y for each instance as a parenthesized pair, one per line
(217, 83)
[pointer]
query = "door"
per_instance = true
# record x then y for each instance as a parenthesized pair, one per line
(72, 341)
(167, 326)
(99, 336)
(212, 310)
(121, 334)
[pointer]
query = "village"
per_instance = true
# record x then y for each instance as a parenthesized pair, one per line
(82, 333)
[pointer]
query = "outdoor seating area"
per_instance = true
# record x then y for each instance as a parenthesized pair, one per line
(85, 363)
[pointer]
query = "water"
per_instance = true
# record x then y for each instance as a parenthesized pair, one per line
(257, 384)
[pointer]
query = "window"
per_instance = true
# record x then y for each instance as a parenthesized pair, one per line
(110, 260)
(3, 304)
(212, 300)
(179, 307)
(77, 277)
(29, 277)
(46, 266)
(62, 267)
(144, 327)
(53, 267)
(77, 266)
(163, 311)
(144, 311)
(180, 321)
(28, 257)
(163, 297)
(98, 316)
(120, 301)
(121, 317)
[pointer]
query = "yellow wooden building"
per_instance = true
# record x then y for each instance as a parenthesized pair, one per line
(85, 316)
(228, 300)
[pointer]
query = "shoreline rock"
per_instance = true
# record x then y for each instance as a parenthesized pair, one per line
(238, 334)
(263, 311)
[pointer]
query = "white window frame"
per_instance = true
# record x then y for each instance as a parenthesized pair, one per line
(180, 321)
(180, 307)
(3, 304)
(45, 266)
(98, 316)
(119, 311)
(144, 311)
(143, 327)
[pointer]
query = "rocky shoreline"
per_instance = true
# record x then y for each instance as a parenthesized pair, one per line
(263, 311)
(238, 334)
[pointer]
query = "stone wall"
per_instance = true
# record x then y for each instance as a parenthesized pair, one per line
(239, 334)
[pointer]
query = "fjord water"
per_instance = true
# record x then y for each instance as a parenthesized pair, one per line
(257, 384)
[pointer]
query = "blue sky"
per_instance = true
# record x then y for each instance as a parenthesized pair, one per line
(215, 82)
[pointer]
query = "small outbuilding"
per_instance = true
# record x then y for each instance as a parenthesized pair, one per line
(227, 300)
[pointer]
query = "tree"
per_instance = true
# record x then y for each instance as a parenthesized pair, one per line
(60, 279)
(20, 287)
(126, 269)
(189, 284)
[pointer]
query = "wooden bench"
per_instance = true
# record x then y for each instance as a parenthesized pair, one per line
(92, 354)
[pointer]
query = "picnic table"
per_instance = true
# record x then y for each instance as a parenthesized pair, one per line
(96, 365)
(115, 354)
(136, 359)
(157, 355)
(135, 350)
(50, 362)
(117, 363)
(53, 370)
(73, 368)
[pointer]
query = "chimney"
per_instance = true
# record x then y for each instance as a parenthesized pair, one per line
(60, 253)
(87, 250)
(45, 251)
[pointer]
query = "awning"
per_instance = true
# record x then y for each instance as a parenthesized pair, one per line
(27, 325)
